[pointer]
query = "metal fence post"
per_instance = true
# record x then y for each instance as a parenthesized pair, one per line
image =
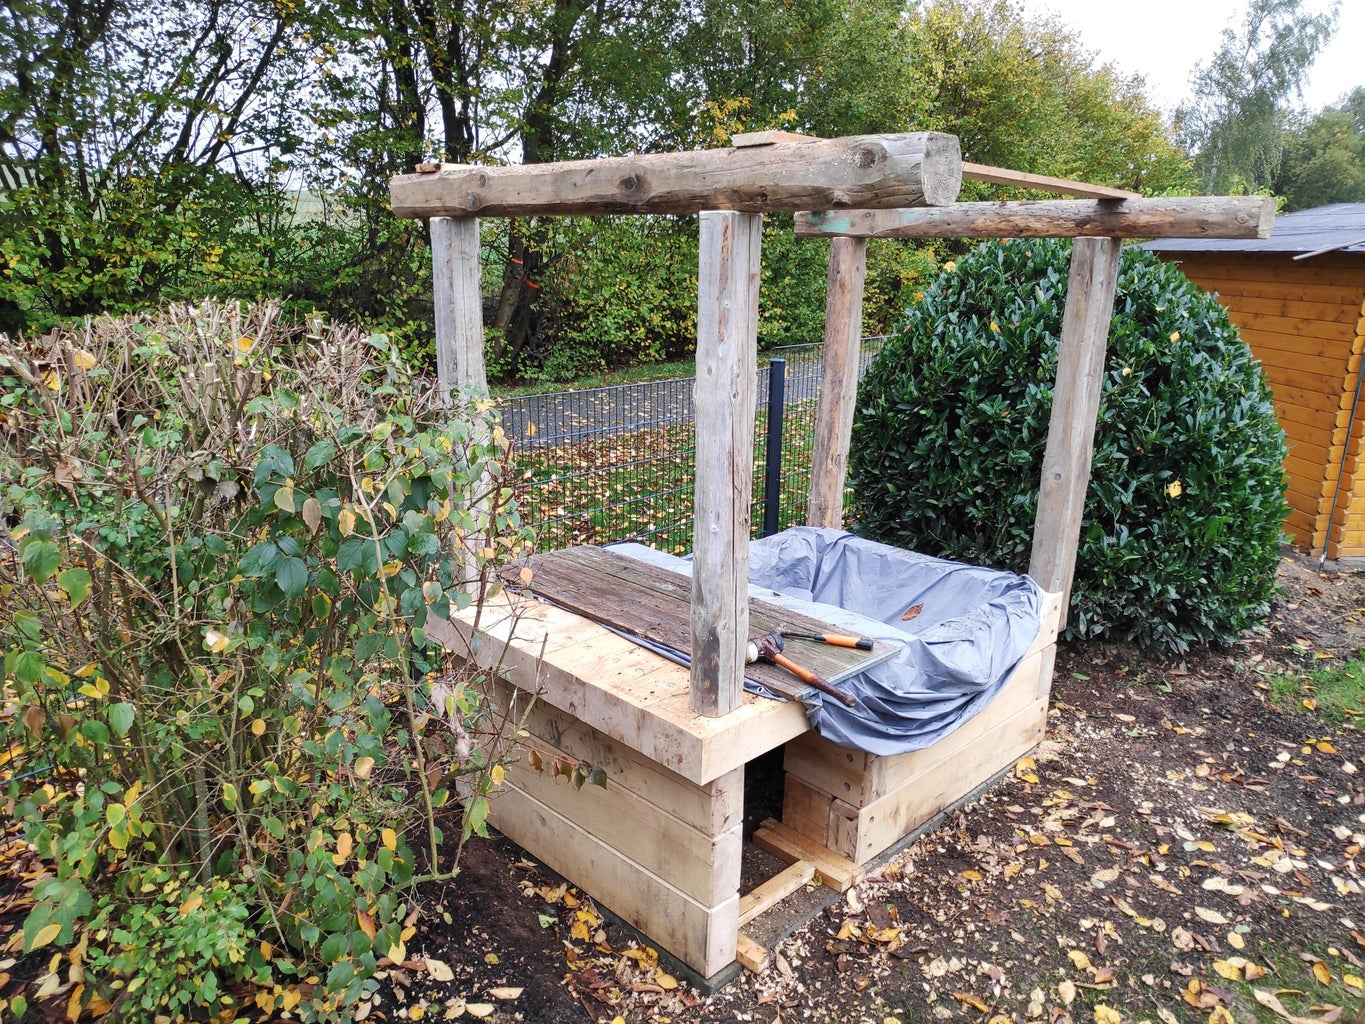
(772, 463)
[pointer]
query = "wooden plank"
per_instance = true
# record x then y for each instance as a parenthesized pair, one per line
(872, 171)
(838, 380)
(586, 679)
(651, 602)
(753, 955)
(1232, 290)
(712, 808)
(835, 872)
(860, 779)
(703, 937)
(1298, 306)
(776, 889)
(770, 137)
(805, 809)
(693, 862)
(1293, 326)
(886, 821)
(724, 400)
(1197, 216)
(1043, 182)
(459, 306)
(1075, 406)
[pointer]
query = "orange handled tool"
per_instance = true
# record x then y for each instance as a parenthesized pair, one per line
(862, 643)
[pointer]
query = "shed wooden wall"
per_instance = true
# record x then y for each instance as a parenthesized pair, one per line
(1303, 320)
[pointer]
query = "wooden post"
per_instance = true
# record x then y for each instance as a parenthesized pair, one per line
(838, 380)
(1075, 406)
(727, 357)
(459, 306)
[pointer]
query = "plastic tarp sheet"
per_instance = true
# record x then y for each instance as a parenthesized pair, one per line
(973, 626)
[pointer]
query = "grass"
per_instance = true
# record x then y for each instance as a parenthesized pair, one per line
(638, 485)
(1334, 691)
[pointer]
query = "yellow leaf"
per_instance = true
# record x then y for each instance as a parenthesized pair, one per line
(479, 1010)
(389, 838)
(1079, 959)
(665, 980)
(345, 844)
(439, 970)
(1175, 335)
(1353, 981)
(290, 998)
(1254, 972)
(363, 767)
(1107, 1015)
(506, 992)
(192, 904)
(1023, 770)
(1325, 747)
(45, 935)
(83, 359)
(975, 1002)
(972, 876)
(1323, 975)
(1174, 489)
(258, 727)
(497, 774)
(397, 952)
(216, 641)
(1227, 970)
(244, 344)
(1236, 941)
(346, 522)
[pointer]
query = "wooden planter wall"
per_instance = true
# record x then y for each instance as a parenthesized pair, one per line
(1304, 321)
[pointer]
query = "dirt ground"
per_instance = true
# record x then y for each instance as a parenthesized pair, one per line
(1181, 848)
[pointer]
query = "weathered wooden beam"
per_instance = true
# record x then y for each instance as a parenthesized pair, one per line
(1043, 182)
(1075, 407)
(867, 171)
(1184, 217)
(838, 380)
(459, 306)
(727, 358)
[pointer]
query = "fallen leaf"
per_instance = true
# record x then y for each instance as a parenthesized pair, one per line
(1023, 770)
(506, 992)
(975, 1002)
(1067, 991)
(912, 612)
(1226, 970)
(1107, 1015)
(1268, 1000)
(1323, 975)
(1236, 941)
(439, 970)
(479, 1009)
(1211, 916)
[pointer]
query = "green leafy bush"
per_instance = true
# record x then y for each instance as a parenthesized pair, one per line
(232, 533)
(1181, 529)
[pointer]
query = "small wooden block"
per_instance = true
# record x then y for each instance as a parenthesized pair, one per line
(427, 168)
(743, 140)
(751, 954)
(839, 873)
(775, 890)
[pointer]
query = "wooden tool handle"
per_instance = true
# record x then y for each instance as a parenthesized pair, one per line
(811, 679)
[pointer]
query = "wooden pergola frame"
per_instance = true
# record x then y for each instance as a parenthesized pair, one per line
(851, 189)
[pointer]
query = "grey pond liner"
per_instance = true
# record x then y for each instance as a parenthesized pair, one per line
(973, 627)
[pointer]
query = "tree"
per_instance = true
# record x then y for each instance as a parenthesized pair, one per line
(1024, 94)
(135, 143)
(1235, 125)
(1324, 159)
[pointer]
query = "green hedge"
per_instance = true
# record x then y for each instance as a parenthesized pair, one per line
(1181, 534)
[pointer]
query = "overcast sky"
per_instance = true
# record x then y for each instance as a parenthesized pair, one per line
(1162, 39)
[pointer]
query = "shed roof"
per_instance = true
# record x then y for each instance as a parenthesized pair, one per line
(1339, 227)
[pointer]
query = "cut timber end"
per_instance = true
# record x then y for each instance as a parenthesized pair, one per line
(1181, 217)
(864, 171)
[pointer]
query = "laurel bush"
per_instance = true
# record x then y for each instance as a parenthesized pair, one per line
(1181, 531)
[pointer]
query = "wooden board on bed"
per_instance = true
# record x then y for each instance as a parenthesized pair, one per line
(653, 603)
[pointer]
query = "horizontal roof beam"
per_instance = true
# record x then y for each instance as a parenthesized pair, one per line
(859, 172)
(1174, 217)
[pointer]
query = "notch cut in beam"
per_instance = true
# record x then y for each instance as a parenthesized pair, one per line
(864, 171)
(1185, 217)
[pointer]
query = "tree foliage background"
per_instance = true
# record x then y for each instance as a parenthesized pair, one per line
(184, 148)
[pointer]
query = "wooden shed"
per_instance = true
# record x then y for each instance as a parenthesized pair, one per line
(1298, 298)
(661, 846)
